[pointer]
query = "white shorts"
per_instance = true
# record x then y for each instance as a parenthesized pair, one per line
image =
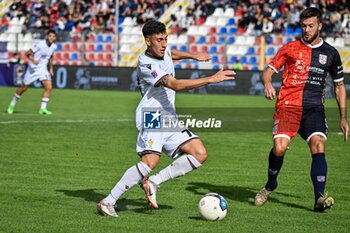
(168, 142)
(29, 77)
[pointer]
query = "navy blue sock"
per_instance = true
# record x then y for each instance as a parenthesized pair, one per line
(275, 164)
(318, 173)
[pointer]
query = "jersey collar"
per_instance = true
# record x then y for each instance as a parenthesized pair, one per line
(312, 46)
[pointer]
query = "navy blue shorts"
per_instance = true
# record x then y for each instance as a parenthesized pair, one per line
(313, 122)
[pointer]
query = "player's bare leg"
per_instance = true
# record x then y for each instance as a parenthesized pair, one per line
(195, 156)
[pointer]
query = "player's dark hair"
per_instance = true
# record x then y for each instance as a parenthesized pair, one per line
(311, 12)
(51, 31)
(153, 27)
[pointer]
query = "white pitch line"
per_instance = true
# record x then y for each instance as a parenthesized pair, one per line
(63, 121)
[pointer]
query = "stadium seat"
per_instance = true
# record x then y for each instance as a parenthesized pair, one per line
(74, 57)
(221, 50)
(216, 67)
(204, 49)
(108, 39)
(229, 12)
(254, 68)
(213, 50)
(233, 60)
(257, 40)
(108, 48)
(269, 39)
(99, 56)
(297, 31)
(230, 40)
(243, 60)
(278, 41)
(184, 48)
(59, 47)
(250, 51)
(108, 57)
(182, 39)
(214, 59)
(212, 40)
(99, 48)
(57, 56)
(201, 40)
(220, 40)
(289, 31)
(211, 21)
(231, 22)
(66, 47)
(128, 21)
(90, 56)
(232, 30)
(99, 38)
(91, 38)
(222, 31)
(193, 49)
(191, 39)
(66, 56)
(218, 12)
(252, 60)
(339, 42)
(212, 31)
(202, 30)
(75, 47)
(270, 51)
(89, 47)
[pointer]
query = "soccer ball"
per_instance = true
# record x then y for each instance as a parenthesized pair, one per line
(213, 207)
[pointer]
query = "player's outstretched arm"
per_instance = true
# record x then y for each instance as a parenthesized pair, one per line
(340, 95)
(270, 92)
(187, 84)
(178, 55)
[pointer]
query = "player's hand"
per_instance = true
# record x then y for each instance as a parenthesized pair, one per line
(51, 73)
(270, 92)
(223, 75)
(344, 128)
(202, 57)
(35, 62)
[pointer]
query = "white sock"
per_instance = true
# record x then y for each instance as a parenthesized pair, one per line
(131, 177)
(179, 167)
(14, 99)
(44, 102)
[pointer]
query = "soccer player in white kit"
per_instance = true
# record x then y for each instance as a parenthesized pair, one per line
(40, 57)
(157, 83)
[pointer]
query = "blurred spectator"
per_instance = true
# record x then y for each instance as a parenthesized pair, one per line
(5, 23)
(237, 65)
(15, 59)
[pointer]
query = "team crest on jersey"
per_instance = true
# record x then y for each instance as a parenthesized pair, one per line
(322, 59)
(154, 74)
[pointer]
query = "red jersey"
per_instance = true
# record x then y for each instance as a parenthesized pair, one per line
(305, 70)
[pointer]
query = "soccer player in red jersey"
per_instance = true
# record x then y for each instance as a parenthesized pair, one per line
(299, 106)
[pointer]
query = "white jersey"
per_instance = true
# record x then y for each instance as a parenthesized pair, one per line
(42, 53)
(149, 72)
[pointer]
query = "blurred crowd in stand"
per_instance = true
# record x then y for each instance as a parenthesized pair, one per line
(254, 17)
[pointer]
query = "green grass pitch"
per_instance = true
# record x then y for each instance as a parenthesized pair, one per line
(55, 169)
